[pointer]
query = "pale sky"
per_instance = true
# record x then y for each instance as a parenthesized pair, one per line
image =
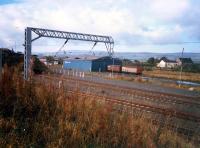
(135, 25)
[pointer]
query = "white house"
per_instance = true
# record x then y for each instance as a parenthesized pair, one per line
(166, 63)
(44, 60)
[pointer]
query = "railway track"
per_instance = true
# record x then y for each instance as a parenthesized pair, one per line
(136, 106)
(141, 106)
(132, 104)
(146, 95)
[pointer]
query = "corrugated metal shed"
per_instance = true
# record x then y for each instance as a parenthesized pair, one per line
(93, 64)
(101, 64)
(78, 64)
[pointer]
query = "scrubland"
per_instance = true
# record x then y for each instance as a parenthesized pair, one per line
(39, 115)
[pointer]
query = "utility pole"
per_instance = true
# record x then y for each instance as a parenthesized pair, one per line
(181, 68)
(112, 66)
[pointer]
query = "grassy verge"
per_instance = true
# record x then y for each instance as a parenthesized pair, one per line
(186, 76)
(33, 115)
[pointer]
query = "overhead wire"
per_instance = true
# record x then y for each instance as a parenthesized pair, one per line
(93, 48)
(61, 48)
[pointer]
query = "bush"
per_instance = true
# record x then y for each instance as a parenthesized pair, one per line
(192, 68)
(152, 61)
(195, 68)
(38, 67)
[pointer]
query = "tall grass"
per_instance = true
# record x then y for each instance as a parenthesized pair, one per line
(186, 76)
(38, 115)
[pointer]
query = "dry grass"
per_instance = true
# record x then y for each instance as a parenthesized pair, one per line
(33, 115)
(157, 82)
(186, 76)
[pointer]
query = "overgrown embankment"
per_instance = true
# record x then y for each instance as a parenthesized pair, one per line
(43, 116)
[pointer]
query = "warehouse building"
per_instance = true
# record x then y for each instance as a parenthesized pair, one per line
(92, 64)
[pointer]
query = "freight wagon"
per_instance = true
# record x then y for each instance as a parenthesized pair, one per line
(131, 69)
(125, 69)
(114, 68)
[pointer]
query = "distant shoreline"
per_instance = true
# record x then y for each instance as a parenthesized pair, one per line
(141, 56)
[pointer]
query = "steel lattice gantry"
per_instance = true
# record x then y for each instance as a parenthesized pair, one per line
(107, 40)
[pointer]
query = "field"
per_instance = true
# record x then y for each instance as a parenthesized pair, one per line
(186, 76)
(33, 115)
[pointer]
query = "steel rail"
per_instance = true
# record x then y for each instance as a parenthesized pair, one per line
(151, 108)
(147, 94)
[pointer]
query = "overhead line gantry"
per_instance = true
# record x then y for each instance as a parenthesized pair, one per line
(107, 40)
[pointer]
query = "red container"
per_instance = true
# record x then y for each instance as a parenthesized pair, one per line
(114, 68)
(132, 69)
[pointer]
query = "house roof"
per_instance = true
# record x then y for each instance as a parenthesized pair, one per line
(80, 58)
(186, 60)
(106, 58)
(91, 58)
(167, 60)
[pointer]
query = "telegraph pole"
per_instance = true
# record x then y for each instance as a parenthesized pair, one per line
(112, 66)
(181, 68)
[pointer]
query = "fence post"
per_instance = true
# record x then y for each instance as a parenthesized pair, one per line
(83, 74)
(79, 74)
(59, 84)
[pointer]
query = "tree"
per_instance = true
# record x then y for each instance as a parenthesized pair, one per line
(60, 61)
(50, 59)
(127, 62)
(151, 61)
(137, 61)
(38, 67)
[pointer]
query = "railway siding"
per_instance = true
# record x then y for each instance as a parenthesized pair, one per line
(186, 122)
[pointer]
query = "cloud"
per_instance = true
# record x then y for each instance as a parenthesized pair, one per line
(130, 22)
(169, 10)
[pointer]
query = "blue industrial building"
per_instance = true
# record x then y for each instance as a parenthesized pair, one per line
(95, 65)
(78, 64)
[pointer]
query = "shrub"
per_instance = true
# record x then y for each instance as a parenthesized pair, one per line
(38, 67)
